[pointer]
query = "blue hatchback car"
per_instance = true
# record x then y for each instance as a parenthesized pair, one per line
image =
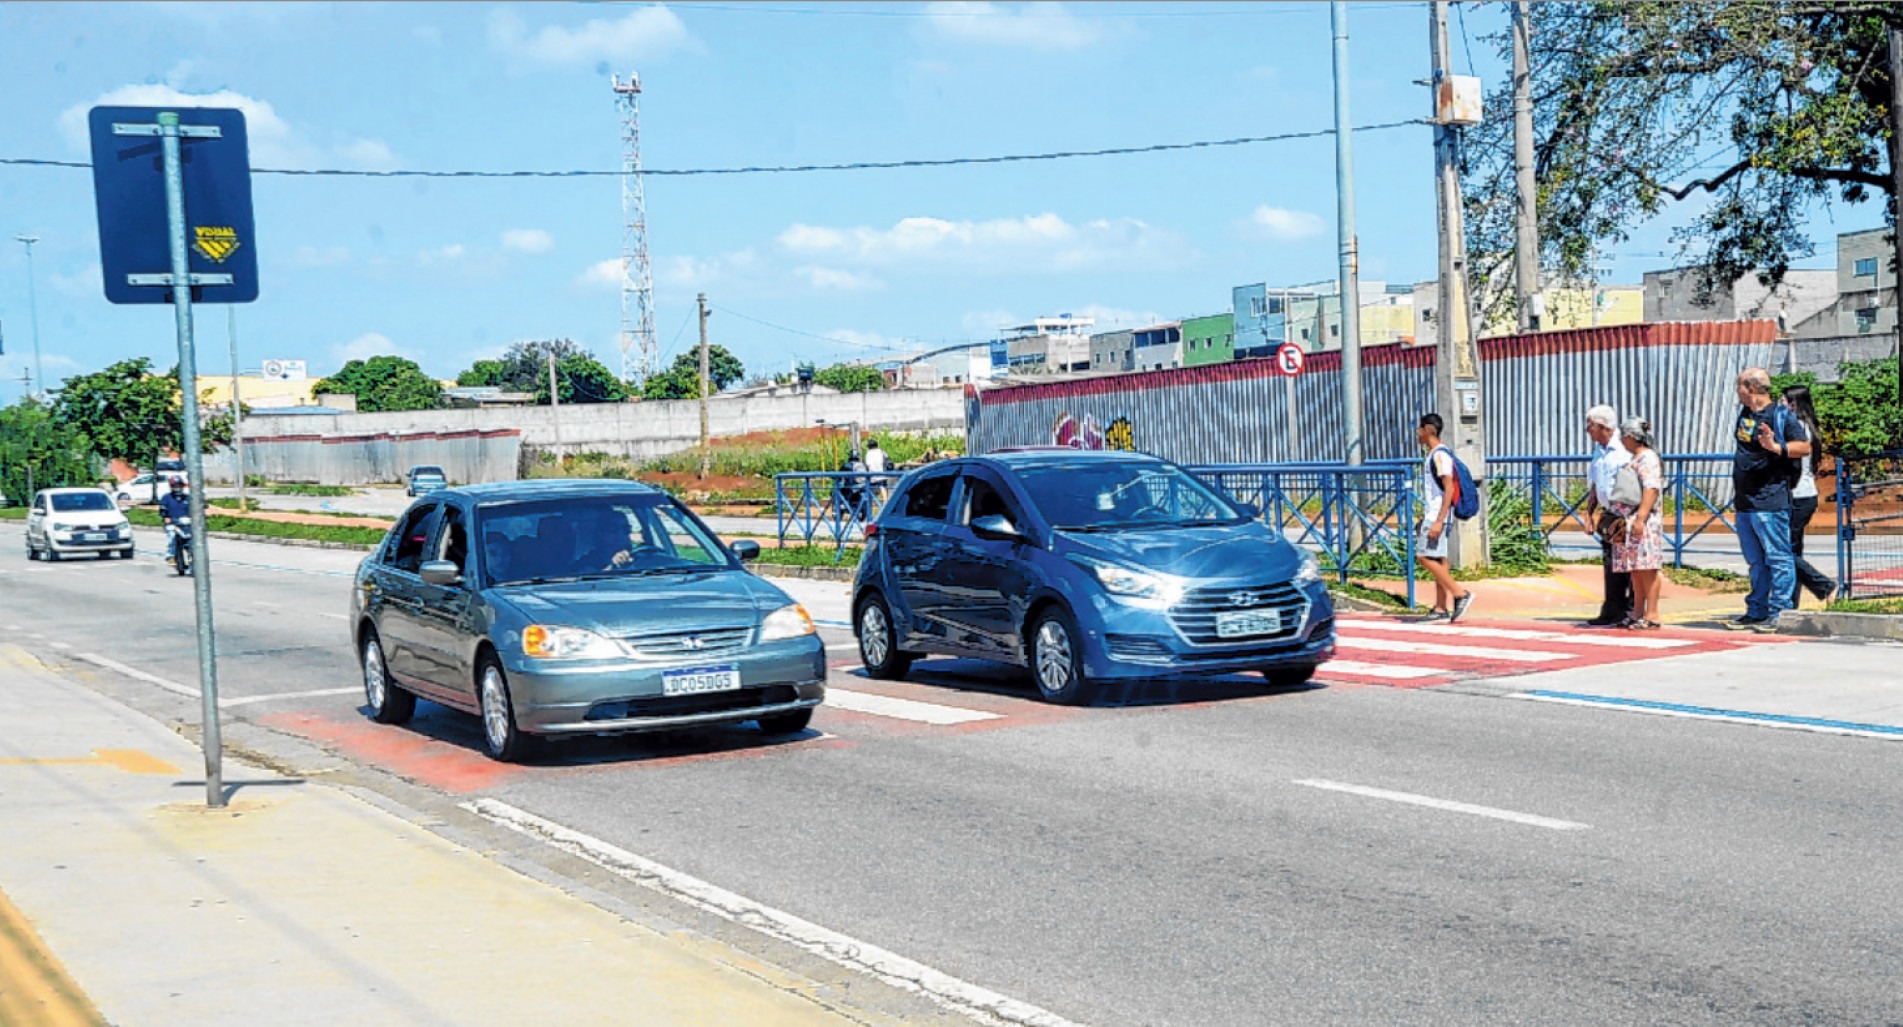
(1088, 568)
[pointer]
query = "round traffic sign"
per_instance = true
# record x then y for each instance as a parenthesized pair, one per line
(1288, 358)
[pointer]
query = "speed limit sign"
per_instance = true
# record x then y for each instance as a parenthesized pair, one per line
(1288, 358)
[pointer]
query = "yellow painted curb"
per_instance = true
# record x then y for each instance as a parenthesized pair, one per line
(34, 987)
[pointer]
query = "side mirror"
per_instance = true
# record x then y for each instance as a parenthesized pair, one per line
(440, 572)
(1253, 511)
(996, 528)
(746, 549)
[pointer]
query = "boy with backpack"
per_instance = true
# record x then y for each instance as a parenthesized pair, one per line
(1447, 492)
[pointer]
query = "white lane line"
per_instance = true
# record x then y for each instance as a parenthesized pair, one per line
(980, 1004)
(138, 675)
(61, 645)
(1473, 652)
(1609, 638)
(843, 647)
(904, 709)
(314, 693)
(1395, 671)
(1529, 819)
(333, 616)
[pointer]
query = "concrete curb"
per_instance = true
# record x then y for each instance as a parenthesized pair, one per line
(1823, 624)
(780, 570)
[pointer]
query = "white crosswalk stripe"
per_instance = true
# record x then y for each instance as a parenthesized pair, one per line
(904, 709)
(1607, 639)
(1474, 652)
(1390, 671)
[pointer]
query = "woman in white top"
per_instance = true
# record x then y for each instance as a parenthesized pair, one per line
(1804, 502)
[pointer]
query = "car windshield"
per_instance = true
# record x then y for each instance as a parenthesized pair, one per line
(70, 502)
(1091, 495)
(594, 537)
(426, 472)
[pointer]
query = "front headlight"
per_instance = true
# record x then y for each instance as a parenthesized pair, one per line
(1310, 571)
(1138, 588)
(554, 643)
(786, 622)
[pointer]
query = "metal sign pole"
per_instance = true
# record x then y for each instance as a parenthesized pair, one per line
(194, 460)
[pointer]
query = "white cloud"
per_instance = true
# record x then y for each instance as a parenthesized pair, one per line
(1031, 26)
(1113, 318)
(643, 33)
(365, 346)
(1035, 242)
(272, 141)
(87, 281)
(869, 342)
(698, 272)
(837, 280)
(985, 324)
(1284, 224)
(528, 240)
(443, 254)
(603, 273)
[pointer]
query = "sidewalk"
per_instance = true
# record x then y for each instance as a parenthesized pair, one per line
(298, 904)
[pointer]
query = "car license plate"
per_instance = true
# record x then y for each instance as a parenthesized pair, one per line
(700, 679)
(93, 536)
(1248, 623)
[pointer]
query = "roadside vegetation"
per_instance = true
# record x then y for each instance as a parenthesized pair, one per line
(300, 489)
(349, 534)
(1892, 605)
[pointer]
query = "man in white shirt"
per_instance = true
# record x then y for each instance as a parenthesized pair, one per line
(1608, 455)
(875, 457)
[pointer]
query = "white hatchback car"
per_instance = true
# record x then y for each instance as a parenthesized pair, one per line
(67, 522)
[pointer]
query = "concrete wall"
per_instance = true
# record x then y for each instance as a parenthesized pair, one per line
(1822, 356)
(1672, 296)
(646, 430)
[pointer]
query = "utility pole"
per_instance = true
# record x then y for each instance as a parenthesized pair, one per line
(33, 305)
(237, 405)
(1896, 189)
(706, 450)
(1457, 363)
(1526, 236)
(555, 402)
(1349, 285)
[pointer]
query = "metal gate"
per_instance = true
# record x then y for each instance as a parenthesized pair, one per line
(1870, 524)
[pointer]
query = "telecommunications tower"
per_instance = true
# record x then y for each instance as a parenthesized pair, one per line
(638, 354)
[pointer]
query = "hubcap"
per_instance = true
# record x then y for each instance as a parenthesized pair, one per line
(1053, 657)
(875, 643)
(373, 687)
(495, 709)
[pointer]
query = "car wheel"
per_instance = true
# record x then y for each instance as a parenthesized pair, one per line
(126, 553)
(388, 703)
(501, 739)
(879, 642)
(52, 555)
(1056, 661)
(32, 551)
(787, 723)
(1289, 677)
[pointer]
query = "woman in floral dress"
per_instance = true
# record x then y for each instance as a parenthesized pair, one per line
(1641, 553)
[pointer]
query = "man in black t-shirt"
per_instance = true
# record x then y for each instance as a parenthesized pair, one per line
(1770, 441)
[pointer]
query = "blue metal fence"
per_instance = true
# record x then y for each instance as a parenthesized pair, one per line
(829, 506)
(1870, 525)
(1697, 495)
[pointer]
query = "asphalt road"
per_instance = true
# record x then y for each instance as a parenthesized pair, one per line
(1202, 855)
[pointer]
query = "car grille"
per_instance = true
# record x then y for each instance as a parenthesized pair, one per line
(685, 645)
(1136, 647)
(1195, 616)
(680, 705)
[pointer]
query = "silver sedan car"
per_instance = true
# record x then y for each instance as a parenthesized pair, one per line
(577, 607)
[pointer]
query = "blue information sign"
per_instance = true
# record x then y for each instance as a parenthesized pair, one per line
(129, 184)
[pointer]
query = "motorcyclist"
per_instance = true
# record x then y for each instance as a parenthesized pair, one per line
(175, 512)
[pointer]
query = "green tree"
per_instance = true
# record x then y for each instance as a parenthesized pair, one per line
(682, 380)
(1754, 111)
(126, 412)
(384, 383)
(1859, 412)
(850, 378)
(584, 380)
(38, 451)
(485, 373)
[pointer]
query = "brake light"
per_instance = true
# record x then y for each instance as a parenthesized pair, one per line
(871, 530)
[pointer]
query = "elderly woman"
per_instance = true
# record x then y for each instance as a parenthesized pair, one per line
(1641, 552)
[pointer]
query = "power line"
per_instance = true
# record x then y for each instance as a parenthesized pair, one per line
(809, 335)
(1013, 158)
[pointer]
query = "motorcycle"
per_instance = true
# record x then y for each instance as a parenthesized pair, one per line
(182, 548)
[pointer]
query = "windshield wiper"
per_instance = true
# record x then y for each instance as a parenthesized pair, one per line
(552, 579)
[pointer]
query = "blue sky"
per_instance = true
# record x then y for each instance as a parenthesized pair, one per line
(846, 264)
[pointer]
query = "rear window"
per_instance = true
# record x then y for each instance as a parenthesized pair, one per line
(437, 471)
(69, 502)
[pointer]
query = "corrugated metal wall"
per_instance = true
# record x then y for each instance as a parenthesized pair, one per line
(1536, 388)
(466, 457)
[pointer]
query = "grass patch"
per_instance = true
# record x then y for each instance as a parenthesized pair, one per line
(12, 513)
(273, 529)
(1352, 590)
(811, 556)
(311, 490)
(1709, 579)
(1892, 605)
